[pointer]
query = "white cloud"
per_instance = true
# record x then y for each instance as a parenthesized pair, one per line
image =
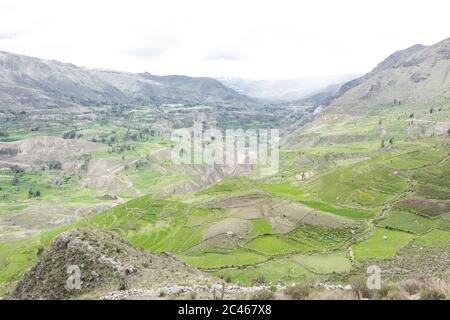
(252, 39)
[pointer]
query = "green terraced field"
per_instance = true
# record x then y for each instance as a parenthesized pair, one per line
(210, 260)
(407, 221)
(382, 244)
(272, 272)
(435, 238)
(273, 245)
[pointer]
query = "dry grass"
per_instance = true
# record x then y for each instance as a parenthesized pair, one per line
(415, 286)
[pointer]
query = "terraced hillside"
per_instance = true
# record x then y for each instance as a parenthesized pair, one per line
(59, 169)
(326, 227)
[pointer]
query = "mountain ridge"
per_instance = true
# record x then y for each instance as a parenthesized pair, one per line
(415, 75)
(406, 96)
(28, 81)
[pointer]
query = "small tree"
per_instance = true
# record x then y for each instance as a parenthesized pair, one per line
(70, 135)
(55, 165)
(34, 194)
(16, 180)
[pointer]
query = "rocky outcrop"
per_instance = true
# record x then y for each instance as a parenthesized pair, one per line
(90, 263)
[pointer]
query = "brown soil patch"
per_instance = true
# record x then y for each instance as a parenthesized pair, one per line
(40, 150)
(230, 226)
(241, 200)
(426, 207)
(285, 216)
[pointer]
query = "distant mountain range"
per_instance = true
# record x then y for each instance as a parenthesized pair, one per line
(32, 82)
(418, 74)
(282, 90)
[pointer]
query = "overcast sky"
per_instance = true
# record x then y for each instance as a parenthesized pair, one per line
(242, 38)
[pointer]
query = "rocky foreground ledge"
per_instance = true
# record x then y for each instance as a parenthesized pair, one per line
(216, 290)
(91, 263)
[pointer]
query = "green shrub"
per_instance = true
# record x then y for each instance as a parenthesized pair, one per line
(390, 292)
(55, 165)
(298, 291)
(16, 180)
(359, 286)
(263, 295)
(395, 295)
(70, 135)
(259, 280)
(193, 295)
(432, 294)
(385, 291)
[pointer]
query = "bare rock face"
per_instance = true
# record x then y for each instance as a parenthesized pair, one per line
(91, 263)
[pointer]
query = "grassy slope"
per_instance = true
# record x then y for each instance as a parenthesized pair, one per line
(178, 227)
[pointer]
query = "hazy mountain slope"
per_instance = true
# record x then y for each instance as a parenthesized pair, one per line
(418, 74)
(33, 82)
(172, 89)
(406, 96)
(285, 89)
(324, 97)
